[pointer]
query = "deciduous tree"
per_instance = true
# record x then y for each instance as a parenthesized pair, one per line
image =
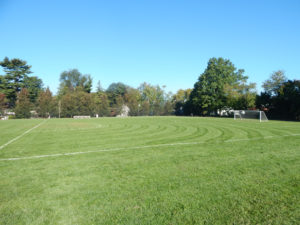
(99, 87)
(77, 103)
(209, 94)
(3, 102)
(101, 104)
(46, 104)
(180, 100)
(154, 95)
(73, 80)
(240, 95)
(133, 101)
(273, 84)
(286, 103)
(115, 91)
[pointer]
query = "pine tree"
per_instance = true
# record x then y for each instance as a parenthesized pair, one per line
(23, 105)
(13, 81)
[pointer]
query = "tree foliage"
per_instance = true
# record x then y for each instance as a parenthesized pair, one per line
(273, 84)
(47, 106)
(240, 96)
(101, 104)
(34, 86)
(3, 102)
(285, 102)
(73, 80)
(115, 91)
(221, 86)
(180, 102)
(23, 105)
(13, 80)
(77, 103)
(209, 93)
(133, 101)
(99, 87)
(154, 96)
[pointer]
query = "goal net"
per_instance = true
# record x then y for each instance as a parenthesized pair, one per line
(250, 114)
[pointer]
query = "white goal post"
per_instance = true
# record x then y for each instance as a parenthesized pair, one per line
(250, 114)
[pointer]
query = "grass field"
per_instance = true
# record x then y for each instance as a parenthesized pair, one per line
(149, 170)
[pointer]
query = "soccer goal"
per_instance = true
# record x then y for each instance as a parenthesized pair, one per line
(250, 114)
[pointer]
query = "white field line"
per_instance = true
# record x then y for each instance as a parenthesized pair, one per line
(18, 137)
(141, 147)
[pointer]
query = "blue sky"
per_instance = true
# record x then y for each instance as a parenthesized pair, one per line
(159, 42)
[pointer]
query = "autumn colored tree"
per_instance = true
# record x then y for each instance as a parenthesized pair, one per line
(3, 103)
(144, 108)
(133, 101)
(46, 104)
(77, 103)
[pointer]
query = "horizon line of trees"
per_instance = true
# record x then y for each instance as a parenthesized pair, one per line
(221, 87)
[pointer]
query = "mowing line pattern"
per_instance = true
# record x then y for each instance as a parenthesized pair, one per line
(142, 147)
(18, 137)
(149, 170)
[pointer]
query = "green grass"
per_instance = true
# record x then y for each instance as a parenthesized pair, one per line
(192, 171)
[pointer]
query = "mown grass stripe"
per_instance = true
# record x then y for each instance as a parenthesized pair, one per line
(18, 137)
(142, 147)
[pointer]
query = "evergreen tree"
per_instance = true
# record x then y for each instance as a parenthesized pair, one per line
(13, 81)
(34, 86)
(23, 105)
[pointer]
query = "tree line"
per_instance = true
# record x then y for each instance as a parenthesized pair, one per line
(221, 87)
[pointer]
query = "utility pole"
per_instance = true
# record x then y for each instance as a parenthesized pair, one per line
(59, 105)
